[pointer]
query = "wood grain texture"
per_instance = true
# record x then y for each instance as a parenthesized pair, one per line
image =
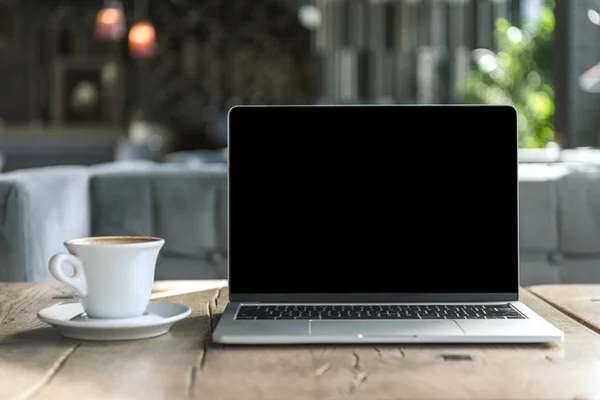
(37, 364)
(557, 371)
(581, 302)
(30, 352)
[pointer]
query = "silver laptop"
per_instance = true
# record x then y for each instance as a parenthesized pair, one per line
(375, 224)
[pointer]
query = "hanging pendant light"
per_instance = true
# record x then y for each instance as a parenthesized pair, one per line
(110, 21)
(142, 38)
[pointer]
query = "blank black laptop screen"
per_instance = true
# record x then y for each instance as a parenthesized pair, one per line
(378, 199)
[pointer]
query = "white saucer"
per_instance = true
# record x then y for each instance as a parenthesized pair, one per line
(73, 323)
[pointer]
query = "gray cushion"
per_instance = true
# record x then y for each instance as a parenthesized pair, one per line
(121, 204)
(185, 206)
(539, 269)
(41, 208)
(579, 212)
(538, 221)
(584, 270)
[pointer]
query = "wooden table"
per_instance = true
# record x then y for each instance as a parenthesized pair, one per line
(36, 363)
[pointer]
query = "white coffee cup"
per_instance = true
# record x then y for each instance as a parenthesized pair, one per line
(113, 275)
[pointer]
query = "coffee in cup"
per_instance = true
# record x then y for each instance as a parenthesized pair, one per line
(113, 275)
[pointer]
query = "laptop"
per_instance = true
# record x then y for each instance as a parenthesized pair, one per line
(375, 224)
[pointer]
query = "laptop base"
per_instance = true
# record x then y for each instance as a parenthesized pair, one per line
(533, 329)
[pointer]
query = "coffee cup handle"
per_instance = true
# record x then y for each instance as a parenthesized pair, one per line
(77, 281)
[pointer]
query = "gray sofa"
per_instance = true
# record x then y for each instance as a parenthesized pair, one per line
(185, 205)
(560, 223)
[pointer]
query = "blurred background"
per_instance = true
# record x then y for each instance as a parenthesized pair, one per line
(113, 113)
(85, 82)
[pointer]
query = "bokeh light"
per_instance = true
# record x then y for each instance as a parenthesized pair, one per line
(110, 24)
(142, 37)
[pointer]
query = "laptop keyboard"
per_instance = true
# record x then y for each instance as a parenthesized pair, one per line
(376, 312)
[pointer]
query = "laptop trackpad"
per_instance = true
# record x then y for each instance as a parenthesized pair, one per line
(384, 328)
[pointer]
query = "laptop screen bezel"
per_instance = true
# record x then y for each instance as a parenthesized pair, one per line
(383, 297)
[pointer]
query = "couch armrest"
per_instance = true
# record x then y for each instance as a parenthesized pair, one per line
(40, 209)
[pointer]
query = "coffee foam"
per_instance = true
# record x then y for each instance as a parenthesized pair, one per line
(113, 240)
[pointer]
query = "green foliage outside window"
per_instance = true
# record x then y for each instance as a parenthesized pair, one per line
(518, 73)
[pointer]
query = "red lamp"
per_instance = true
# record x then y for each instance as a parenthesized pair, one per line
(142, 38)
(110, 22)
